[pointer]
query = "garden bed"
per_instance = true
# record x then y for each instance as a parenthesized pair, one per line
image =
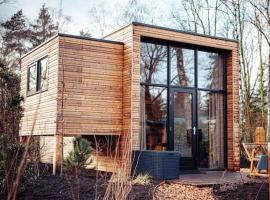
(56, 187)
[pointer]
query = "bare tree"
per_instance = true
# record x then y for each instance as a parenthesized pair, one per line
(261, 21)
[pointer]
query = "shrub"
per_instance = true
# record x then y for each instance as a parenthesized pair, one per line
(77, 159)
(142, 179)
(80, 156)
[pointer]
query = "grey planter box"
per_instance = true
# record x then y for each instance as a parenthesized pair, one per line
(158, 164)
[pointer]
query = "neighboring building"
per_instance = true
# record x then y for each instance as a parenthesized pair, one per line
(141, 87)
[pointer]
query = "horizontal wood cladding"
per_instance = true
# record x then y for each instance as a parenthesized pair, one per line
(47, 148)
(183, 37)
(92, 92)
(40, 109)
(125, 35)
(232, 79)
(132, 64)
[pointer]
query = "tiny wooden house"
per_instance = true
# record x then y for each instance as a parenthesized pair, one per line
(141, 87)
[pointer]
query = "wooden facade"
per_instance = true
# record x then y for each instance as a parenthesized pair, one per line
(94, 90)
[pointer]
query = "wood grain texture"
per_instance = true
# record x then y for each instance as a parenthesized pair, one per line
(132, 56)
(40, 109)
(100, 82)
(92, 74)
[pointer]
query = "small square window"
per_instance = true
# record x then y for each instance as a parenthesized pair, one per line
(38, 76)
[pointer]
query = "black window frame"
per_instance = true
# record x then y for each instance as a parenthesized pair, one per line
(38, 88)
(170, 87)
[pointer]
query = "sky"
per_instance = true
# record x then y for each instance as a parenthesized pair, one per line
(78, 10)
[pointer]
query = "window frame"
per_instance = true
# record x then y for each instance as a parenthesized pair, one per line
(38, 89)
(195, 88)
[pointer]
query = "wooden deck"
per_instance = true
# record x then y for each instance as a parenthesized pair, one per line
(208, 178)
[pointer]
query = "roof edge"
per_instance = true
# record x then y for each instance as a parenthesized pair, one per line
(121, 28)
(70, 36)
(185, 32)
(89, 38)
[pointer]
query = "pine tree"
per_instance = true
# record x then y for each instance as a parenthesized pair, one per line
(85, 33)
(43, 28)
(14, 39)
(79, 157)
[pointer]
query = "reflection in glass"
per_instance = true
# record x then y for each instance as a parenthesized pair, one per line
(210, 70)
(210, 129)
(32, 78)
(182, 67)
(44, 73)
(153, 117)
(153, 63)
(183, 123)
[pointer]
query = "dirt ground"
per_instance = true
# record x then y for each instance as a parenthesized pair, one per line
(55, 187)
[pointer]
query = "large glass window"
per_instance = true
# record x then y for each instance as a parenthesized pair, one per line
(211, 129)
(182, 67)
(154, 117)
(153, 63)
(210, 70)
(168, 83)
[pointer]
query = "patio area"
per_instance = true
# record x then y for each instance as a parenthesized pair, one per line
(207, 178)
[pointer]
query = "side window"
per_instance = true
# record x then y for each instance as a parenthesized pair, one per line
(32, 78)
(37, 79)
(43, 74)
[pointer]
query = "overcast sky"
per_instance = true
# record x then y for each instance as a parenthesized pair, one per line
(78, 10)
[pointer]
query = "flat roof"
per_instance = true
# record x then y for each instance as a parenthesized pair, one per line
(72, 36)
(173, 30)
(89, 38)
(135, 24)
(181, 31)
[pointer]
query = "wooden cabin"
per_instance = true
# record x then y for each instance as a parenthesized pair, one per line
(140, 87)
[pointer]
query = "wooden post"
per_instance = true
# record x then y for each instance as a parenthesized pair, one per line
(268, 148)
(57, 158)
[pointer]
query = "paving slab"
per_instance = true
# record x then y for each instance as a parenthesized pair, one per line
(207, 178)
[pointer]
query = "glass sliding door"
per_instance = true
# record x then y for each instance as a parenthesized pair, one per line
(154, 118)
(183, 119)
(211, 130)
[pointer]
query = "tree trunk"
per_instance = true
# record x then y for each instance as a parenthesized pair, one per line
(268, 103)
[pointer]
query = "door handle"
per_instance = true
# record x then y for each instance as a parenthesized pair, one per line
(194, 130)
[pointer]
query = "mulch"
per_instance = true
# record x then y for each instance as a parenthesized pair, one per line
(244, 191)
(56, 187)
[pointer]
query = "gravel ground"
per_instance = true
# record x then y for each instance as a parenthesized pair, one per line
(247, 191)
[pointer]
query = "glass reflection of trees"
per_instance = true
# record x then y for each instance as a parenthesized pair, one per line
(154, 99)
(210, 70)
(182, 67)
(153, 63)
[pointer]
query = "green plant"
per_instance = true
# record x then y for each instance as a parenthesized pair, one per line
(142, 179)
(80, 156)
(78, 159)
